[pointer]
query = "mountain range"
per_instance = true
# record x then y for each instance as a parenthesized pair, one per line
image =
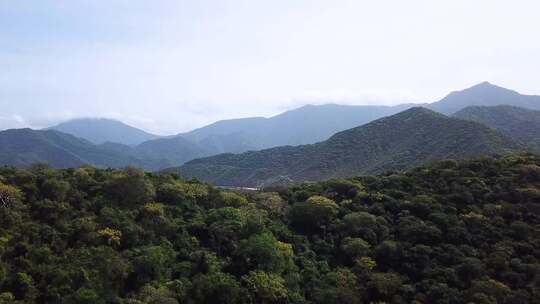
(305, 125)
(397, 142)
(108, 143)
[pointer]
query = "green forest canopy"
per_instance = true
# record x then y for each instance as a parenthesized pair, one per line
(451, 232)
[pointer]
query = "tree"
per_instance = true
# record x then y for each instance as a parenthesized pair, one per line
(356, 221)
(225, 226)
(9, 195)
(24, 287)
(112, 236)
(216, 287)
(130, 188)
(232, 199)
(263, 251)
(54, 189)
(160, 294)
(491, 288)
(84, 296)
(339, 286)
(383, 286)
(414, 230)
(181, 193)
(265, 288)
(344, 188)
(314, 214)
(355, 247)
(153, 263)
(272, 203)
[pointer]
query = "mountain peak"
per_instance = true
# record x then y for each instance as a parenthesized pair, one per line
(101, 130)
(483, 94)
(415, 112)
(419, 110)
(484, 84)
(486, 87)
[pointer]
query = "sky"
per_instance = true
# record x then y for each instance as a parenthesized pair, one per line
(172, 66)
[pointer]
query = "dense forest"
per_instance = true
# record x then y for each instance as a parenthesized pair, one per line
(450, 232)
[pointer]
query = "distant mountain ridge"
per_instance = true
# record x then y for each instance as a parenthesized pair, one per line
(400, 141)
(102, 130)
(113, 140)
(305, 125)
(311, 124)
(484, 94)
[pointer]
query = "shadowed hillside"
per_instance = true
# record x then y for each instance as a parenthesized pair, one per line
(518, 123)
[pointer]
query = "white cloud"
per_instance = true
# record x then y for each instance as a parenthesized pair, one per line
(13, 121)
(357, 97)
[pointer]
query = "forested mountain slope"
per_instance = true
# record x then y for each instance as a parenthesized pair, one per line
(452, 232)
(518, 123)
(24, 147)
(406, 139)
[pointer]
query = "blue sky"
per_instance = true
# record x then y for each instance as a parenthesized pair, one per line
(171, 66)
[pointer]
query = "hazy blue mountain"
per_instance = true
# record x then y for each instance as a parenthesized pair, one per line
(305, 125)
(172, 151)
(484, 94)
(400, 141)
(311, 124)
(101, 130)
(518, 123)
(24, 147)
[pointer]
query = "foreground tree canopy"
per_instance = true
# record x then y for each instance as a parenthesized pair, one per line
(452, 232)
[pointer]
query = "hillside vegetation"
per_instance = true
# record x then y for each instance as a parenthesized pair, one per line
(409, 138)
(24, 147)
(518, 123)
(453, 232)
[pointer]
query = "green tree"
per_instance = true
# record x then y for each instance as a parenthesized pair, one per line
(216, 287)
(339, 286)
(263, 251)
(355, 247)
(314, 214)
(383, 286)
(153, 263)
(130, 187)
(265, 288)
